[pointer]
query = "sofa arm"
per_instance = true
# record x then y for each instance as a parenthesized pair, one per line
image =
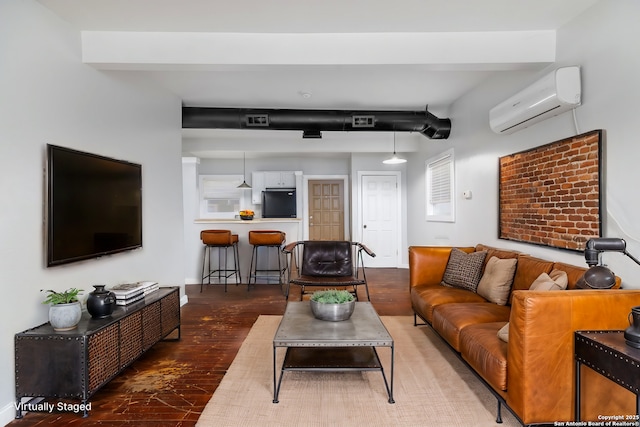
(428, 263)
(540, 357)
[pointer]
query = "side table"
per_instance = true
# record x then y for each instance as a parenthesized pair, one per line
(607, 353)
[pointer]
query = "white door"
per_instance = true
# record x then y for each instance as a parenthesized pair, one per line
(380, 219)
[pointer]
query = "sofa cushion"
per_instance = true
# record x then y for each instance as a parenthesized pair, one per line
(427, 263)
(555, 281)
(450, 319)
(497, 279)
(496, 252)
(424, 298)
(575, 273)
(485, 354)
(528, 270)
(463, 269)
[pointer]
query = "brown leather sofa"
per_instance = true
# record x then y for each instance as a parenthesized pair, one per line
(533, 374)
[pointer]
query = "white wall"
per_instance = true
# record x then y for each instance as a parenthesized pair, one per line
(49, 96)
(602, 42)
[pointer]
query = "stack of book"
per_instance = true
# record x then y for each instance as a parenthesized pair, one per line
(128, 293)
(149, 287)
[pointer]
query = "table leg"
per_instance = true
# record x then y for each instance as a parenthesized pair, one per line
(388, 384)
(278, 382)
(19, 408)
(392, 364)
(577, 408)
(275, 388)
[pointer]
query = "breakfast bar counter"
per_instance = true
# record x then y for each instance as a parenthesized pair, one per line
(292, 227)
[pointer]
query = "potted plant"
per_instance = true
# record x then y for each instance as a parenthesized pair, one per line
(333, 305)
(64, 308)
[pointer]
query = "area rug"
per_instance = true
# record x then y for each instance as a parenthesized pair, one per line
(432, 387)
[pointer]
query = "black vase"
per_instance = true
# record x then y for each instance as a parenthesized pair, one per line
(632, 333)
(100, 303)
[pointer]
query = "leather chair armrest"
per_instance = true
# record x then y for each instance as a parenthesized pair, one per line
(289, 248)
(366, 250)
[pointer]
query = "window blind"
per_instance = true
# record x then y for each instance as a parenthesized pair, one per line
(440, 181)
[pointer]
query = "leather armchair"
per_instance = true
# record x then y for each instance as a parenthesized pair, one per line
(327, 264)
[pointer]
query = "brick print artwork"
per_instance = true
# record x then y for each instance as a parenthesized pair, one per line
(550, 195)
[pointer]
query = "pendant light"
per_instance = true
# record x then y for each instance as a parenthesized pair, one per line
(394, 160)
(244, 184)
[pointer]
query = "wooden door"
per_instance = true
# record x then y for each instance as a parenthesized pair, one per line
(326, 209)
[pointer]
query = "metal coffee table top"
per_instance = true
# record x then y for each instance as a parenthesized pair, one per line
(299, 328)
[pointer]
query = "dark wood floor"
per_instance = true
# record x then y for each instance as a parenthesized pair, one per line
(171, 383)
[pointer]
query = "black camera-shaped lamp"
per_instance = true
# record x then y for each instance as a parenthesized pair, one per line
(598, 276)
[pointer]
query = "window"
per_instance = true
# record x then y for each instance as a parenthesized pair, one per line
(440, 180)
(220, 197)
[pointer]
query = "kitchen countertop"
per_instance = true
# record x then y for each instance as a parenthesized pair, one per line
(242, 221)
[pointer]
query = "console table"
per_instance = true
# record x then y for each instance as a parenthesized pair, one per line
(607, 353)
(77, 363)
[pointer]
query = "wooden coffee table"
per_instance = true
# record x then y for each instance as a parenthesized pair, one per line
(318, 345)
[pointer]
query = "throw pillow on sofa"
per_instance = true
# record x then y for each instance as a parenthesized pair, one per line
(557, 280)
(503, 333)
(496, 281)
(463, 269)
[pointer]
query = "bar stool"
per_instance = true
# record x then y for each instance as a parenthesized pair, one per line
(220, 239)
(265, 239)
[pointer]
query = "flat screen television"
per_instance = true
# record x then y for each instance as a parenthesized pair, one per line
(279, 203)
(94, 205)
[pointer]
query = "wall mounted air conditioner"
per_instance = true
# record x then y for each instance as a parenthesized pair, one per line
(555, 93)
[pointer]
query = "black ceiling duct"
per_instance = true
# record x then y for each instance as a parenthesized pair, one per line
(316, 121)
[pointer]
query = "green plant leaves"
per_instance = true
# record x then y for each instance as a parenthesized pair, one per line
(332, 296)
(65, 297)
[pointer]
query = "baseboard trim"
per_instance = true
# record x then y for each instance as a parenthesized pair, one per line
(7, 413)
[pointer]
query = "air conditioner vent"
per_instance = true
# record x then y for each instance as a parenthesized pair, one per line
(257, 120)
(553, 94)
(363, 121)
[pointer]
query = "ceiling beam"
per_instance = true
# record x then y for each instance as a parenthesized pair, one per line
(129, 50)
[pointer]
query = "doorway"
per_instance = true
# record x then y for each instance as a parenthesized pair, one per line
(326, 215)
(380, 220)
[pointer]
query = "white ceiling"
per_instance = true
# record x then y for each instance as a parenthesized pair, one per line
(327, 54)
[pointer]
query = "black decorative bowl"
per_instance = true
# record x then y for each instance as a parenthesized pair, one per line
(246, 217)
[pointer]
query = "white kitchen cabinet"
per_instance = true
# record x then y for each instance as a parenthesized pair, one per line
(270, 179)
(279, 180)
